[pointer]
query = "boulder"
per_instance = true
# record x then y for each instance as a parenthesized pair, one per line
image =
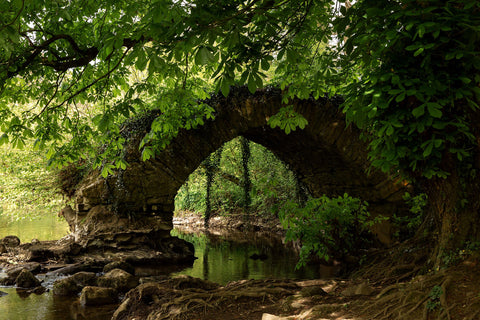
(10, 241)
(74, 284)
(118, 279)
(65, 287)
(119, 265)
(84, 279)
(26, 279)
(95, 296)
(6, 281)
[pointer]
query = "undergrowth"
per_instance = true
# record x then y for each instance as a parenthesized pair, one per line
(27, 188)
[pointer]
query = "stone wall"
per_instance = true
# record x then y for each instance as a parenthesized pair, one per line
(328, 156)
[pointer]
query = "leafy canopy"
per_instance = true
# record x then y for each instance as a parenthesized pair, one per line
(414, 88)
(72, 71)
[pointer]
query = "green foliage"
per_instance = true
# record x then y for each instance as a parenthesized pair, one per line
(271, 183)
(408, 225)
(414, 75)
(327, 227)
(72, 72)
(288, 120)
(453, 257)
(409, 71)
(434, 298)
(27, 189)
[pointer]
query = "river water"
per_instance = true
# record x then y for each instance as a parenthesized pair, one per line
(221, 258)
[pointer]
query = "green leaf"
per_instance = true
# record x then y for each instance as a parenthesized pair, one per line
(265, 65)
(400, 97)
(204, 56)
(142, 60)
(434, 109)
(3, 139)
(419, 111)
(428, 149)
(252, 84)
(465, 80)
(224, 86)
(105, 122)
(419, 51)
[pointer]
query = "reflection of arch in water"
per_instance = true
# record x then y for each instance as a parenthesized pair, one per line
(327, 156)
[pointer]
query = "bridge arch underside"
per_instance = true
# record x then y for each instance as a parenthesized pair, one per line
(327, 156)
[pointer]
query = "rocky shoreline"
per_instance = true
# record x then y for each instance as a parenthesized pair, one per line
(239, 222)
(106, 276)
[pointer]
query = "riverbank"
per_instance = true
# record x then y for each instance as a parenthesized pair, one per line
(386, 287)
(240, 222)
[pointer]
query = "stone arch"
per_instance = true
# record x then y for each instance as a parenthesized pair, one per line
(328, 156)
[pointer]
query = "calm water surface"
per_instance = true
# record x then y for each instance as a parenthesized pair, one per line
(45, 227)
(220, 258)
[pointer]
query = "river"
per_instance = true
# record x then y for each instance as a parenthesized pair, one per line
(221, 258)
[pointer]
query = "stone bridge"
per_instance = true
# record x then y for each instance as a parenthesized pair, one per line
(328, 156)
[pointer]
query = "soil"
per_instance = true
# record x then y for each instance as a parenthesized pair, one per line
(335, 299)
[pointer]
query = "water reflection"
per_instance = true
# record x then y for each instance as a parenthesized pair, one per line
(234, 256)
(221, 258)
(19, 305)
(46, 227)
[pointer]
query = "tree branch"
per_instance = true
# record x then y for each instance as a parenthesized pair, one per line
(15, 18)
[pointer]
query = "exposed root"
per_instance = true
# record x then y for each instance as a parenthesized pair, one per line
(420, 297)
(186, 297)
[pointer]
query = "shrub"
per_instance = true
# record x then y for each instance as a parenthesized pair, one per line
(327, 227)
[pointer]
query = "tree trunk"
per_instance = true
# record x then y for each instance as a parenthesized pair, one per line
(209, 172)
(453, 212)
(247, 183)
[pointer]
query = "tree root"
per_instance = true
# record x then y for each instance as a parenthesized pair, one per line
(174, 299)
(404, 301)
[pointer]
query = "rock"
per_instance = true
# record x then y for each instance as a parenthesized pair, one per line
(363, 289)
(65, 287)
(84, 279)
(10, 241)
(33, 267)
(35, 241)
(74, 284)
(6, 281)
(118, 279)
(3, 249)
(95, 296)
(75, 268)
(3, 293)
(39, 290)
(312, 291)
(26, 279)
(119, 265)
(14, 272)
